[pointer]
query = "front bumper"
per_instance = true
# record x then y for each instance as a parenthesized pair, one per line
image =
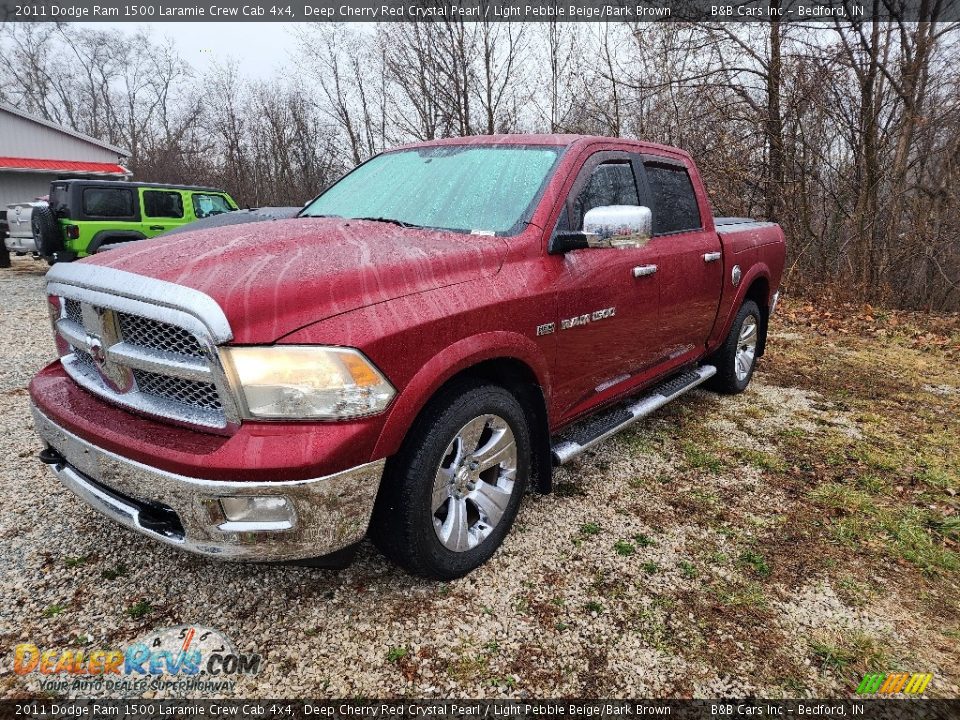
(328, 513)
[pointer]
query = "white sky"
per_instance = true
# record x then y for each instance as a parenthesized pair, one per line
(258, 48)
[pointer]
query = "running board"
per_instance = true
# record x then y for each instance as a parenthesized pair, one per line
(587, 433)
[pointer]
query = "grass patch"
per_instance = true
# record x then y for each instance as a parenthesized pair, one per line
(589, 529)
(688, 570)
(700, 458)
(836, 496)
(113, 573)
(650, 568)
(624, 548)
(850, 654)
(139, 609)
(643, 540)
(396, 654)
(740, 596)
(762, 460)
(594, 607)
(914, 538)
(72, 562)
(755, 561)
(53, 610)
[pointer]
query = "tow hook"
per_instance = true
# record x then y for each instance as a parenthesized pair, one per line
(49, 456)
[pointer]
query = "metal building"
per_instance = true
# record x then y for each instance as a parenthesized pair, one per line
(34, 152)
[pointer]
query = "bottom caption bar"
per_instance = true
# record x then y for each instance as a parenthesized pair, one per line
(869, 709)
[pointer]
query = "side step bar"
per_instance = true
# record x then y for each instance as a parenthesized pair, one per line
(587, 433)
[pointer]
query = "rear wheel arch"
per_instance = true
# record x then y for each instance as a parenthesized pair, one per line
(759, 292)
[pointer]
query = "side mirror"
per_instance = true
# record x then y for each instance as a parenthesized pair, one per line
(608, 226)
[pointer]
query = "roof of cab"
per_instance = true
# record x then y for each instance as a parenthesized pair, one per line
(561, 140)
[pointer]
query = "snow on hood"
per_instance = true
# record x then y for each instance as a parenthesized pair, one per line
(273, 278)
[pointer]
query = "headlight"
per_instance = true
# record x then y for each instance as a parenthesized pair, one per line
(300, 382)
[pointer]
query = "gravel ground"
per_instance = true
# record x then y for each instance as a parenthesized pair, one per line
(664, 565)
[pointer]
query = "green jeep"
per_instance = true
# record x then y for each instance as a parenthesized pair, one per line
(89, 216)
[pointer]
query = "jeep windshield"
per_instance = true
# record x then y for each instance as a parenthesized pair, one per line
(465, 188)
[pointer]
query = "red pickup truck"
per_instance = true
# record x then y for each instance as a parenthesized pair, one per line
(421, 344)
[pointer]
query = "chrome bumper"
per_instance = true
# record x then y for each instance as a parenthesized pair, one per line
(329, 513)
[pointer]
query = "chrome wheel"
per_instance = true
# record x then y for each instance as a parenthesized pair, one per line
(746, 347)
(474, 482)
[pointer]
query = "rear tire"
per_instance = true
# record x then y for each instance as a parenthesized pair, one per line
(737, 357)
(449, 497)
(4, 255)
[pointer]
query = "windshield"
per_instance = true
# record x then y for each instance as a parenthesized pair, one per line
(471, 188)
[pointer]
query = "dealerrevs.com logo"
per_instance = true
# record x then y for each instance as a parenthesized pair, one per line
(182, 658)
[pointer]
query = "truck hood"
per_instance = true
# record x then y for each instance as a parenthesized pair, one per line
(272, 278)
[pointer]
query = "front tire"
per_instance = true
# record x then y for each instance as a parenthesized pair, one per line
(451, 494)
(737, 357)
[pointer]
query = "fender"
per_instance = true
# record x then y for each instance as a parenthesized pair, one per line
(101, 237)
(758, 269)
(451, 360)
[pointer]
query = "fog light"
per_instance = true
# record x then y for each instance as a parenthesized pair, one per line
(257, 509)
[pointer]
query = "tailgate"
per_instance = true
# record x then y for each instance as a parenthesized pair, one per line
(18, 220)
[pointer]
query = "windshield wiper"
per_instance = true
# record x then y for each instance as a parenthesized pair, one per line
(392, 221)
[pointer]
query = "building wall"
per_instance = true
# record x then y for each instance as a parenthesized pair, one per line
(19, 186)
(20, 137)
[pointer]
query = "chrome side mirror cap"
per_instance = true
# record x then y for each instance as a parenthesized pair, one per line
(618, 226)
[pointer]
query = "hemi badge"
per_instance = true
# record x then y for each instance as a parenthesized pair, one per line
(546, 329)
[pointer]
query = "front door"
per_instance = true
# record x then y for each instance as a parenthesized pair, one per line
(162, 211)
(607, 298)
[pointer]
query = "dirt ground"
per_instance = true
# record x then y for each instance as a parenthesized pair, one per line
(779, 543)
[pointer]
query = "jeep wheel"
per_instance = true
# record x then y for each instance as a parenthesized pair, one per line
(737, 357)
(46, 231)
(4, 255)
(449, 497)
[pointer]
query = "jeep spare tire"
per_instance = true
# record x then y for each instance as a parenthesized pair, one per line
(46, 231)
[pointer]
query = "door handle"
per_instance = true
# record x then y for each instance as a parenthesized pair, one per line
(644, 270)
(157, 227)
(712, 257)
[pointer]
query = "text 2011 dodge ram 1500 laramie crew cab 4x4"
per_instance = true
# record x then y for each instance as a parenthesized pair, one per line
(422, 343)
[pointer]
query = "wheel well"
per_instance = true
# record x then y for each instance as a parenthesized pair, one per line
(759, 292)
(517, 377)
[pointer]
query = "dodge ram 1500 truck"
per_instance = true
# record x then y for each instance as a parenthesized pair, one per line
(421, 344)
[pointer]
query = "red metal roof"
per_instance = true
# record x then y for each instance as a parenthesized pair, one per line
(77, 166)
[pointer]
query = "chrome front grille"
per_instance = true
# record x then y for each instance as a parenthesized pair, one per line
(158, 335)
(144, 363)
(73, 311)
(193, 393)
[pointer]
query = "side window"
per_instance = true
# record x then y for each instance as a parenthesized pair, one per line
(675, 206)
(108, 202)
(162, 204)
(205, 205)
(611, 183)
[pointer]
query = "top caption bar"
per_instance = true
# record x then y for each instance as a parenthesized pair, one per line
(826, 11)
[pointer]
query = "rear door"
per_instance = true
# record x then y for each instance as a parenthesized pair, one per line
(689, 257)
